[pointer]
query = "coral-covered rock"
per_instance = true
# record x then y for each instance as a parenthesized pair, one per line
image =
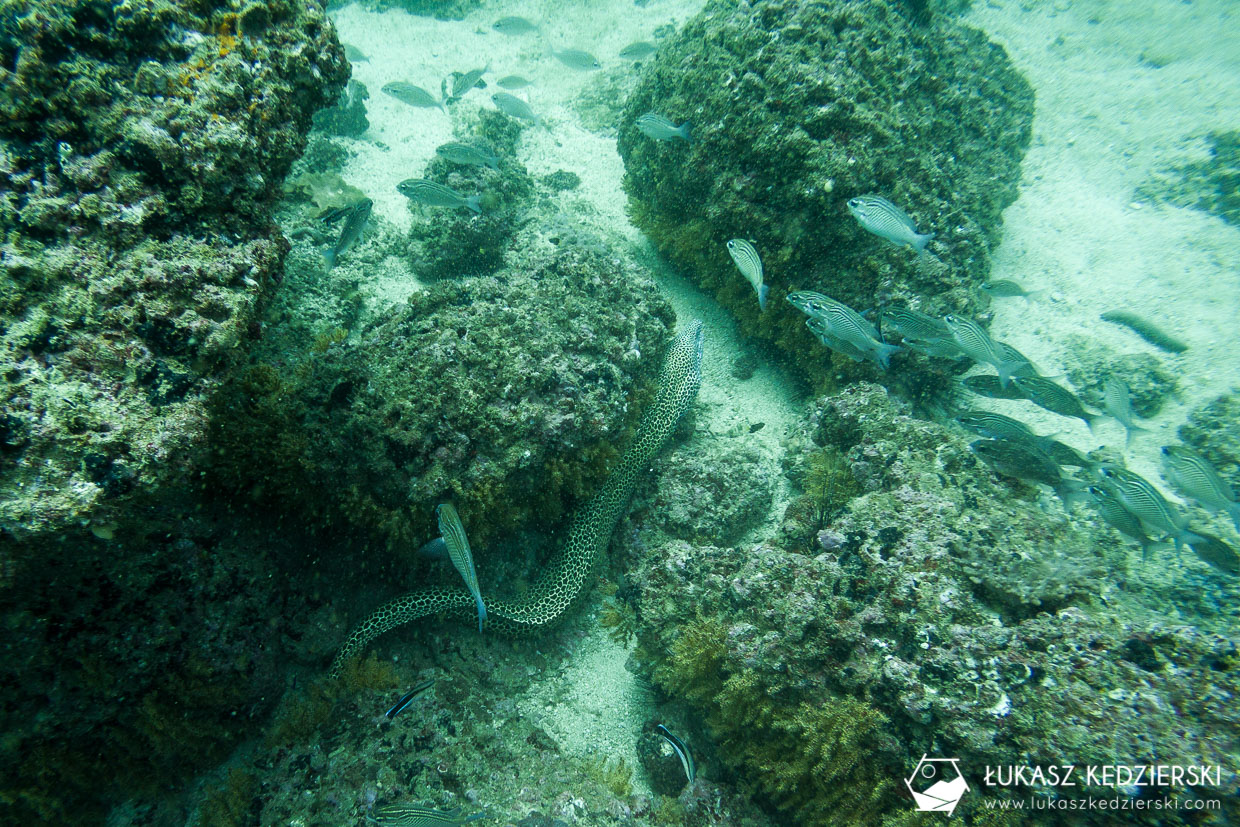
(142, 147)
(797, 107)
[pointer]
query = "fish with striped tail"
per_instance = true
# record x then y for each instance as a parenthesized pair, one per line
(457, 544)
(435, 194)
(416, 815)
(1145, 503)
(747, 260)
(884, 219)
(1193, 476)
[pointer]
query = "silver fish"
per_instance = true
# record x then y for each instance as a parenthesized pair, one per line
(1046, 394)
(1193, 476)
(1215, 552)
(459, 552)
(459, 153)
(462, 83)
(638, 50)
(1024, 367)
(1107, 503)
(885, 220)
(997, 426)
(747, 260)
(412, 95)
(847, 325)
(825, 335)
(1025, 462)
(511, 82)
(976, 343)
(354, 54)
(661, 129)
(1006, 288)
(577, 59)
(416, 815)
(435, 194)
(1145, 502)
(913, 324)
(514, 106)
(984, 384)
(1117, 402)
(354, 225)
(514, 26)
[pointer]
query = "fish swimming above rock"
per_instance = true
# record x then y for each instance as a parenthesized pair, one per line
(976, 343)
(577, 59)
(1025, 462)
(462, 82)
(417, 815)
(1147, 504)
(661, 129)
(1193, 476)
(459, 553)
(1108, 505)
(403, 702)
(514, 26)
(836, 323)
(747, 260)
(1055, 398)
(354, 225)
(884, 219)
(681, 749)
(517, 108)
(823, 332)
(412, 95)
(987, 384)
(435, 194)
(997, 426)
(1215, 552)
(639, 50)
(467, 155)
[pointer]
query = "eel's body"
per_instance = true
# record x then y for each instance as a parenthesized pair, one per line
(567, 572)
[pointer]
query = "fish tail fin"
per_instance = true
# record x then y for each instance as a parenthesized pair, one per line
(920, 241)
(1006, 371)
(474, 203)
(482, 610)
(884, 354)
(1030, 295)
(683, 132)
(763, 290)
(330, 258)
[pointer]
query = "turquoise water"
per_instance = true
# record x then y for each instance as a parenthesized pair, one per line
(619, 413)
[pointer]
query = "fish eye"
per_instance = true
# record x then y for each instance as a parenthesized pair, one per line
(731, 244)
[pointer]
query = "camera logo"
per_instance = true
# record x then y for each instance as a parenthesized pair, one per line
(937, 784)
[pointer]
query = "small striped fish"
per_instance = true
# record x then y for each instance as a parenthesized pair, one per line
(661, 129)
(513, 26)
(1107, 503)
(1117, 402)
(435, 194)
(517, 108)
(416, 815)
(997, 426)
(1011, 355)
(513, 82)
(1215, 552)
(459, 552)
(745, 255)
(462, 83)
(885, 220)
(1046, 394)
(809, 302)
(978, 346)
(1006, 288)
(408, 698)
(913, 324)
(820, 329)
(1141, 498)
(638, 50)
(412, 95)
(984, 384)
(577, 59)
(459, 153)
(1195, 477)
(681, 749)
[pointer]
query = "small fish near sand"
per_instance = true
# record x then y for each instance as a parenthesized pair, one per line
(639, 50)
(1147, 504)
(467, 155)
(986, 384)
(514, 26)
(462, 82)
(417, 815)
(403, 703)
(354, 225)
(513, 82)
(412, 95)
(884, 219)
(1006, 288)
(976, 343)
(354, 54)
(681, 749)
(747, 260)
(661, 129)
(577, 59)
(435, 194)
(515, 107)
(1117, 402)
(1055, 398)
(1194, 477)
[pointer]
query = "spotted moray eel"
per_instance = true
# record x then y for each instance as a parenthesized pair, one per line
(567, 572)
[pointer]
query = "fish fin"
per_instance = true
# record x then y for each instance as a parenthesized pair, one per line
(762, 291)
(1007, 371)
(1234, 510)
(920, 241)
(330, 258)
(883, 352)
(474, 204)
(683, 132)
(482, 611)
